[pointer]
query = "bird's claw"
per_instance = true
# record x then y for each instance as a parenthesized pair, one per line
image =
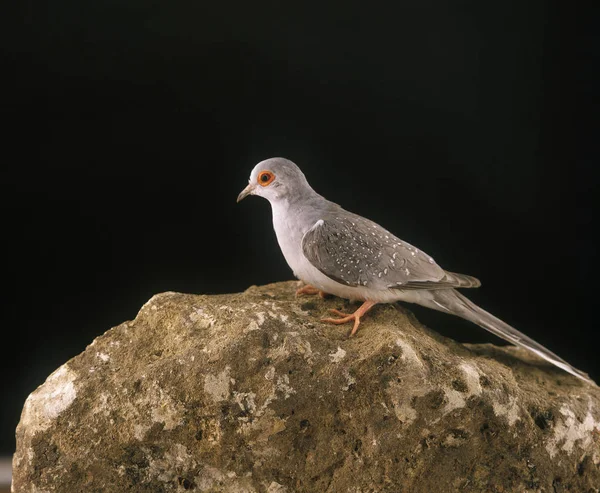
(345, 318)
(348, 317)
(310, 290)
(341, 314)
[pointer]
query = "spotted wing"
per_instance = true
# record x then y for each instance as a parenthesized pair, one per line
(357, 252)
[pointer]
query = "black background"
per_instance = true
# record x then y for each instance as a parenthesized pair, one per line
(130, 127)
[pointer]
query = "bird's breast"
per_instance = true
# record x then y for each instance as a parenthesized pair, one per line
(289, 236)
(290, 233)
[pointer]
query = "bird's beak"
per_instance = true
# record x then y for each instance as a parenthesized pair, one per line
(245, 192)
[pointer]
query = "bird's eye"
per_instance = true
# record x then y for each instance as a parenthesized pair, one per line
(265, 178)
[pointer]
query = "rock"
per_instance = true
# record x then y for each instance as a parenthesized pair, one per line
(249, 392)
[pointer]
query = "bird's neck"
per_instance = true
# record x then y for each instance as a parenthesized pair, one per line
(298, 212)
(297, 199)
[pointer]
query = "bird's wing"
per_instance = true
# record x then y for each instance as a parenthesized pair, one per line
(357, 252)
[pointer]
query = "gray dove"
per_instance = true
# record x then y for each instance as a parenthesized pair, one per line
(340, 253)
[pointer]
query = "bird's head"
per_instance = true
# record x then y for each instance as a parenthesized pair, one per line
(275, 179)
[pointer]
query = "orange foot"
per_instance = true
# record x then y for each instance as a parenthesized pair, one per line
(308, 289)
(364, 308)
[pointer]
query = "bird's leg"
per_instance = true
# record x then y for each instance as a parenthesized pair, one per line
(364, 308)
(308, 289)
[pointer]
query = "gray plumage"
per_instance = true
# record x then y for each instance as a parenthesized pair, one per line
(355, 251)
(344, 254)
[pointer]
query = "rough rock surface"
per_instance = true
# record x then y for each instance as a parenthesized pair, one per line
(250, 392)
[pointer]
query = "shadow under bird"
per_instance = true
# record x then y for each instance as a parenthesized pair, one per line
(337, 252)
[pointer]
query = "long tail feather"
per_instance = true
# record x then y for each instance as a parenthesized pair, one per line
(451, 301)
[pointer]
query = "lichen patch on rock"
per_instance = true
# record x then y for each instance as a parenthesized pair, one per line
(571, 431)
(217, 386)
(46, 404)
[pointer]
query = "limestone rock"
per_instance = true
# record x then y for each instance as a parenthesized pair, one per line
(249, 392)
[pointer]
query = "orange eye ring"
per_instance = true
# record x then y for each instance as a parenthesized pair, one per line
(265, 178)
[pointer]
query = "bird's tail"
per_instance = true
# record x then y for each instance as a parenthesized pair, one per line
(451, 301)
